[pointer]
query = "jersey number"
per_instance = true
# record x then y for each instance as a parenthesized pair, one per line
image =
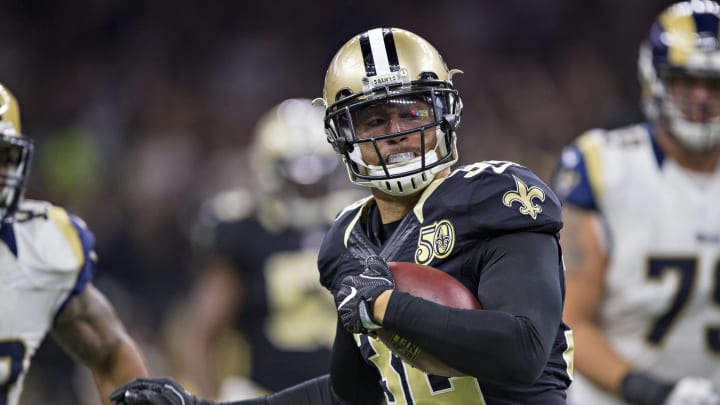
(405, 385)
(497, 166)
(302, 313)
(12, 354)
(687, 271)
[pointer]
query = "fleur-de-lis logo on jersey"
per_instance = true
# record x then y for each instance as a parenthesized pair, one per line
(525, 196)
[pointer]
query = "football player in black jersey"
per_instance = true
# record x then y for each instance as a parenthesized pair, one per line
(392, 112)
(256, 304)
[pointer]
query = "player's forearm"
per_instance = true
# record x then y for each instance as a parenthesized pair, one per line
(122, 366)
(317, 391)
(203, 374)
(380, 306)
(197, 364)
(510, 352)
(596, 359)
(510, 339)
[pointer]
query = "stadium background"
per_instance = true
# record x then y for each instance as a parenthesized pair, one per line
(140, 109)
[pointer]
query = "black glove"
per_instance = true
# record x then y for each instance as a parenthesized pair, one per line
(154, 391)
(640, 388)
(357, 293)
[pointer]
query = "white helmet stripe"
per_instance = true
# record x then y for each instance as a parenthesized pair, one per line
(379, 53)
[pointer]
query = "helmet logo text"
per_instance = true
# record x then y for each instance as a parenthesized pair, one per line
(370, 83)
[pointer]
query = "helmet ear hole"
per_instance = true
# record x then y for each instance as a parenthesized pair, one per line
(343, 93)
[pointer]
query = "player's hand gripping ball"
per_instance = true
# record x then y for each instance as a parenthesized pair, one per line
(434, 285)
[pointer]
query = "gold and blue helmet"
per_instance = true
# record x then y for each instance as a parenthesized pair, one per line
(391, 66)
(683, 44)
(16, 152)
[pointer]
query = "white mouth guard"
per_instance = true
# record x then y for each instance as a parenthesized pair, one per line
(400, 157)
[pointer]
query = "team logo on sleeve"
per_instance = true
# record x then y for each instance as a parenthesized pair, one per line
(435, 241)
(525, 196)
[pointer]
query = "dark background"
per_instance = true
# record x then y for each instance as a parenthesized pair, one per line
(141, 109)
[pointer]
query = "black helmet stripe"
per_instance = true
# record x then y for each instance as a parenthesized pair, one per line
(379, 52)
(391, 50)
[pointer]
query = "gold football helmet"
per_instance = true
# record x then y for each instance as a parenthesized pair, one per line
(391, 67)
(15, 155)
(295, 170)
(289, 146)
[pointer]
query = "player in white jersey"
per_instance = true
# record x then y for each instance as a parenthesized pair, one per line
(641, 235)
(46, 268)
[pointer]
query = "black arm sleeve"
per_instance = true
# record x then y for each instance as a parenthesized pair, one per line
(351, 381)
(316, 391)
(508, 341)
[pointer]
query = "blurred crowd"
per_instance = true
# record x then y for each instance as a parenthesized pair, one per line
(140, 110)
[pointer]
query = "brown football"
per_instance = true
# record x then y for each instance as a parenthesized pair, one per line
(434, 285)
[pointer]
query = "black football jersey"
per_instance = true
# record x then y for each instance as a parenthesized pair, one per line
(287, 317)
(451, 221)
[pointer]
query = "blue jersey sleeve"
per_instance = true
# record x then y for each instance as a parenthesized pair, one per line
(571, 181)
(87, 271)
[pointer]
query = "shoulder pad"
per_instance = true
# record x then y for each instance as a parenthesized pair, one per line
(53, 240)
(333, 252)
(30, 209)
(496, 197)
(578, 174)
